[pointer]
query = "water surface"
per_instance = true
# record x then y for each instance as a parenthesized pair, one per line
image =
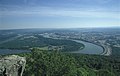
(89, 48)
(8, 51)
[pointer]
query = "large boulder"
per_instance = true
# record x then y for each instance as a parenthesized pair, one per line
(12, 65)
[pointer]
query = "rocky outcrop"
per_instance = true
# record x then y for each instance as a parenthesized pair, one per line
(12, 65)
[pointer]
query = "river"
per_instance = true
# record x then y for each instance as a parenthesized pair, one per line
(89, 48)
(8, 51)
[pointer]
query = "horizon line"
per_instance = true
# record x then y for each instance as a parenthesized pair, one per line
(61, 28)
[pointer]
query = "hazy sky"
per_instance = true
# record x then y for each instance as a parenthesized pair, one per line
(59, 13)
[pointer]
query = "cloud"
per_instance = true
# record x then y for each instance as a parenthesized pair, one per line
(103, 1)
(46, 11)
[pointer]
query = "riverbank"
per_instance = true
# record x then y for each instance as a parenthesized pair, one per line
(107, 51)
(90, 48)
(12, 51)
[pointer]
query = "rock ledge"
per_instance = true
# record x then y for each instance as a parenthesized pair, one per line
(12, 65)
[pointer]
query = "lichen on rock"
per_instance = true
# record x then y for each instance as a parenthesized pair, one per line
(12, 65)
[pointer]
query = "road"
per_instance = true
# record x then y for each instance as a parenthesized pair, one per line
(107, 50)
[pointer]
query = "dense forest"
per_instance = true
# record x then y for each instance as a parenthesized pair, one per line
(29, 41)
(44, 63)
(41, 62)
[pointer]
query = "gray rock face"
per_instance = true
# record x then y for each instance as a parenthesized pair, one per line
(12, 65)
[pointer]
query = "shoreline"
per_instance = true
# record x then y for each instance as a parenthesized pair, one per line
(106, 49)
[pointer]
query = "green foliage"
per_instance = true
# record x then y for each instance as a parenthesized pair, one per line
(104, 72)
(30, 41)
(101, 65)
(115, 51)
(82, 72)
(6, 36)
(44, 63)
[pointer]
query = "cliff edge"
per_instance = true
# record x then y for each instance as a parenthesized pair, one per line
(12, 65)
